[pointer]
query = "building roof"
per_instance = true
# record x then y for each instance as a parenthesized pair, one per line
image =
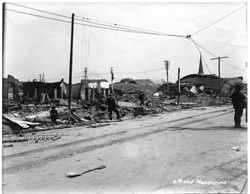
(209, 81)
(94, 80)
(144, 82)
(199, 76)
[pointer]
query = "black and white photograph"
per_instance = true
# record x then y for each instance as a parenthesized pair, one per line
(124, 97)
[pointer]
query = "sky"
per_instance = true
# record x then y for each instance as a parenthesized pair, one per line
(36, 45)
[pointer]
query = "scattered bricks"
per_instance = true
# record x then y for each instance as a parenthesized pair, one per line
(8, 145)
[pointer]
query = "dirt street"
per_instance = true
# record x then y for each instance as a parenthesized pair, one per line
(184, 151)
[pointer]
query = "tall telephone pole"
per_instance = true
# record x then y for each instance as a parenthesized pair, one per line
(85, 74)
(71, 60)
(219, 58)
(167, 68)
(112, 78)
(3, 34)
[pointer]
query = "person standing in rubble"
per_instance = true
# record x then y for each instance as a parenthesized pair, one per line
(53, 114)
(112, 107)
(141, 98)
(239, 103)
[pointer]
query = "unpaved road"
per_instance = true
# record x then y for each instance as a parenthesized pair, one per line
(184, 151)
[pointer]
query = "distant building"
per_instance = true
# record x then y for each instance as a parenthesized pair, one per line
(210, 82)
(12, 88)
(94, 89)
(36, 90)
(131, 86)
(145, 82)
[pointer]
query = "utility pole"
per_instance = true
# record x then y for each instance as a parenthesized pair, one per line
(40, 77)
(86, 90)
(167, 67)
(112, 78)
(3, 34)
(71, 61)
(85, 74)
(179, 86)
(219, 58)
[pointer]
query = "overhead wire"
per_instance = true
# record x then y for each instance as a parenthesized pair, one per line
(95, 26)
(216, 56)
(118, 27)
(200, 53)
(39, 10)
(40, 16)
(217, 20)
(140, 71)
(124, 27)
(110, 27)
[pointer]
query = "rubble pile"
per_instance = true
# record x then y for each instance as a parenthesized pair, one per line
(206, 99)
(10, 105)
(19, 118)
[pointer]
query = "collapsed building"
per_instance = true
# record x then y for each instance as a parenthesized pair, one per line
(92, 89)
(86, 90)
(12, 88)
(210, 83)
(36, 91)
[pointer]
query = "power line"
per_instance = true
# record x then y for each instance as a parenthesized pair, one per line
(119, 26)
(39, 10)
(95, 26)
(87, 20)
(110, 27)
(140, 71)
(200, 54)
(50, 18)
(217, 21)
(35, 15)
(132, 29)
(217, 56)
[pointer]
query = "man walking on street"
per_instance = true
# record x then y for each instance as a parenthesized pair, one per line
(112, 106)
(239, 103)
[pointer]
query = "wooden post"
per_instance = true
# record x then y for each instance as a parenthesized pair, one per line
(112, 78)
(167, 67)
(71, 60)
(55, 93)
(179, 86)
(3, 34)
(219, 58)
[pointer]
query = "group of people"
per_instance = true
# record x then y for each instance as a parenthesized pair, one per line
(238, 99)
